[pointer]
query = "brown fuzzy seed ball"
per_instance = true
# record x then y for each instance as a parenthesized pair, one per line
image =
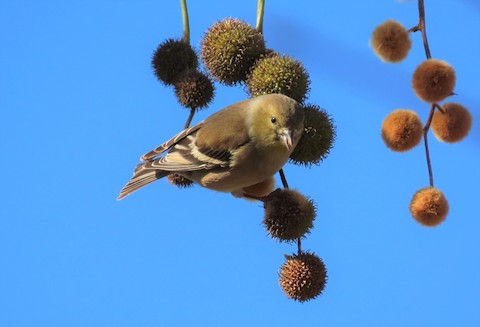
(194, 90)
(288, 215)
(391, 41)
(453, 124)
(402, 130)
(171, 59)
(279, 74)
(303, 277)
(317, 138)
(230, 48)
(433, 80)
(179, 181)
(429, 206)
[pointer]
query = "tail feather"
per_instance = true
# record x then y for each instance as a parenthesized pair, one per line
(140, 179)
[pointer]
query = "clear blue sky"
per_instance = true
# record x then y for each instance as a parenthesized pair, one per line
(79, 105)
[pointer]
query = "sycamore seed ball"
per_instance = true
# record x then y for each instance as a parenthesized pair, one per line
(402, 130)
(288, 215)
(317, 138)
(194, 90)
(171, 59)
(303, 277)
(279, 74)
(453, 124)
(391, 41)
(230, 48)
(429, 206)
(433, 80)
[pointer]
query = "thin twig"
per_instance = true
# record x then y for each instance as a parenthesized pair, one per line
(425, 133)
(260, 11)
(186, 25)
(283, 178)
(423, 28)
(189, 119)
(299, 242)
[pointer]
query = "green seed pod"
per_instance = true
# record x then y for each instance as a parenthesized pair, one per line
(171, 59)
(317, 138)
(230, 48)
(288, 215)
(303, 277)
(194, 90)
(279, 74)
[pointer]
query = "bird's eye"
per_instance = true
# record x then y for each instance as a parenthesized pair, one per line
(273, 120)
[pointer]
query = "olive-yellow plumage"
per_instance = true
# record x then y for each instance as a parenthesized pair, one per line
(235, 148)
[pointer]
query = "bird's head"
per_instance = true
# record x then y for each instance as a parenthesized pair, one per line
(277, 121)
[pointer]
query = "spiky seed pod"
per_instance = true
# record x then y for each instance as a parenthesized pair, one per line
(194, 89)
(303, 277)
(171, 59)
(288, 215)
(179, 181)
(317, 138)
(230, 48)
(402, 130)
(279, 74)
(453, 124)
(433, 80)
(429, 206)
(391, 41)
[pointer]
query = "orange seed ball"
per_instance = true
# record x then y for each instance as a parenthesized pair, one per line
(429, 206)
(402, 130)
(433, 80)
(391, 41)
(453, 124)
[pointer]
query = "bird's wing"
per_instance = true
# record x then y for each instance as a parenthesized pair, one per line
(173, 141)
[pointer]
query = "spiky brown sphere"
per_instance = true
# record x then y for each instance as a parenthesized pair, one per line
(303, 277)
(317, 138)
(429, 206)
(402, 130)
(433, 80)
(179, 181)
(194, 90)
(279, 74)
(171, 59)
(453, 124)
(391, 41)
(288, 215)
(230, 48)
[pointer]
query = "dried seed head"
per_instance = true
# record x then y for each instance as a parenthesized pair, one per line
(391, 41)
(230, 48)
(317, 138)
(453, 124)
(402, 130)
(194, 90)
(429, 206)
(171, 59)
(303, 277)
(433, 80)
(288, 215)
(179, 181)
(279, 74)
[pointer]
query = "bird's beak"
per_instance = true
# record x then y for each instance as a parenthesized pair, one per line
(286, 136)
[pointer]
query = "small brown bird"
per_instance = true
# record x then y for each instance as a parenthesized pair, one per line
(237, 149)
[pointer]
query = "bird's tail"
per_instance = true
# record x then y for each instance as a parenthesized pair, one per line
(141, 177)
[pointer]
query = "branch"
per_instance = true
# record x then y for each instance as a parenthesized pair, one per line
(260, 11)
(186, 25)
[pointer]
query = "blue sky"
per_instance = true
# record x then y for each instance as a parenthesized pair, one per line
(79, 105)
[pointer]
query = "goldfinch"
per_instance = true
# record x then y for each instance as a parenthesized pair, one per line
(237, 149)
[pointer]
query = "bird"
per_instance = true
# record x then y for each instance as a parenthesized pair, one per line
(236, 150)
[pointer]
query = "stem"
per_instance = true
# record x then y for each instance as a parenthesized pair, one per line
(189, 119)
(260, 11)
(186, 25)
(425, 133)
(284, 179)
(423, 28)
(299, 242)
